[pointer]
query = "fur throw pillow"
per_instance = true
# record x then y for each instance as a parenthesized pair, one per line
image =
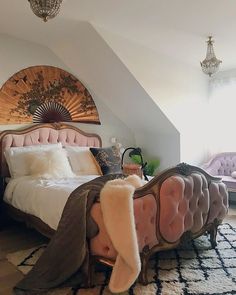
(50, 164)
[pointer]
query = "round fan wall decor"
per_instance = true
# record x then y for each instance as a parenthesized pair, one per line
(51, 112)
(46, 94)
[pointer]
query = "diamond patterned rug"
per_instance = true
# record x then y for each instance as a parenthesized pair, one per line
(194, 268)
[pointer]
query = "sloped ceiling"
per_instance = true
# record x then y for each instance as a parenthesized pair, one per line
(179, 28)
(174, 28)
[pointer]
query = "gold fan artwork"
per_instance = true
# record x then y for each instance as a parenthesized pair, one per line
(46, 94)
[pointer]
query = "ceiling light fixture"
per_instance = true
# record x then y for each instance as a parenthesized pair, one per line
(45, 9)
(210, 65)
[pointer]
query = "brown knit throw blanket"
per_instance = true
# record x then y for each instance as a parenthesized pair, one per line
(64, 256)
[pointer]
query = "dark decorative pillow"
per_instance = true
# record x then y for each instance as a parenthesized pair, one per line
(108, 159)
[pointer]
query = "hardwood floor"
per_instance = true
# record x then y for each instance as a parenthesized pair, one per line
(15, 237)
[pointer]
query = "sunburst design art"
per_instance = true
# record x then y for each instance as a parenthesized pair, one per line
(45, 94)
(51, 112)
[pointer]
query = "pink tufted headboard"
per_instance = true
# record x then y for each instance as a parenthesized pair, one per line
(45, 134)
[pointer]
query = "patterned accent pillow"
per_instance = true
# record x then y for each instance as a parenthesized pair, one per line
(108, 159)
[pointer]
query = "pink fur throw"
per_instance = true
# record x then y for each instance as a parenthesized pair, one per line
(117, 208)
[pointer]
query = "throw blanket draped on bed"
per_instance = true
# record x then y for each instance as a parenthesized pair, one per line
(66, 251)
(118, 214)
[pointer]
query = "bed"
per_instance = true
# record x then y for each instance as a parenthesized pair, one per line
(42, 134)
(179, 204)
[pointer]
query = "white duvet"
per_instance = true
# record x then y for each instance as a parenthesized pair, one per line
(44, 198)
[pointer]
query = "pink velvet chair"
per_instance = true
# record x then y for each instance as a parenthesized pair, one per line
(179, 204)
(222, 165)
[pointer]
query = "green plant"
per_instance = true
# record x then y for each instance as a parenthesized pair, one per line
(150, 167)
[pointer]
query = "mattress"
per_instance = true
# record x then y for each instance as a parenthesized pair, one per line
(43, 198)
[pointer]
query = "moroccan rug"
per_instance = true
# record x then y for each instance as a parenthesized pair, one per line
(194, 268)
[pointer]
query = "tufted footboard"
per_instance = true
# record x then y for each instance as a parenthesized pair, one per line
(179, 204)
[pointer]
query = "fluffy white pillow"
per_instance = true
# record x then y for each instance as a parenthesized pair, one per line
(16, 157)
(233, 174)
(82, 161)
(50, 164)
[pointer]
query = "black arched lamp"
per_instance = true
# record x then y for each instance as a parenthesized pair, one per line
(135, 151)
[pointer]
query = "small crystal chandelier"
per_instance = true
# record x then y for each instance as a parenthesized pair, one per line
(45, 9)
(210, 64)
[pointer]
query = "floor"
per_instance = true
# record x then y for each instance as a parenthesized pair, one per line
(15, 237)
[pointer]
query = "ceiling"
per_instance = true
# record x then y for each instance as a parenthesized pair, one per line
(177, 28)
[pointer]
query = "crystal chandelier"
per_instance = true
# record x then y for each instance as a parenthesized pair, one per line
(210, 64)
(45, 9)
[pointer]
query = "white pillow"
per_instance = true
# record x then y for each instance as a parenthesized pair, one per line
(82, 161)
(49, 164)
(233, 174)
(15, 157)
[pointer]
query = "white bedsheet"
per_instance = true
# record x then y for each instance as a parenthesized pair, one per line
(44, 198)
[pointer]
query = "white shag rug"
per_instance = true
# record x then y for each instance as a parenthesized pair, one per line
(194, 268)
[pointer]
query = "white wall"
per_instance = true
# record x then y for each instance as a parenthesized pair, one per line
(177, 88)
(16, 54)
(85, 52)
(222, 93)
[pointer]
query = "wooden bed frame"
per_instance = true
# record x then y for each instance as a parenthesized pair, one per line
(153, 187)
(30, 220)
